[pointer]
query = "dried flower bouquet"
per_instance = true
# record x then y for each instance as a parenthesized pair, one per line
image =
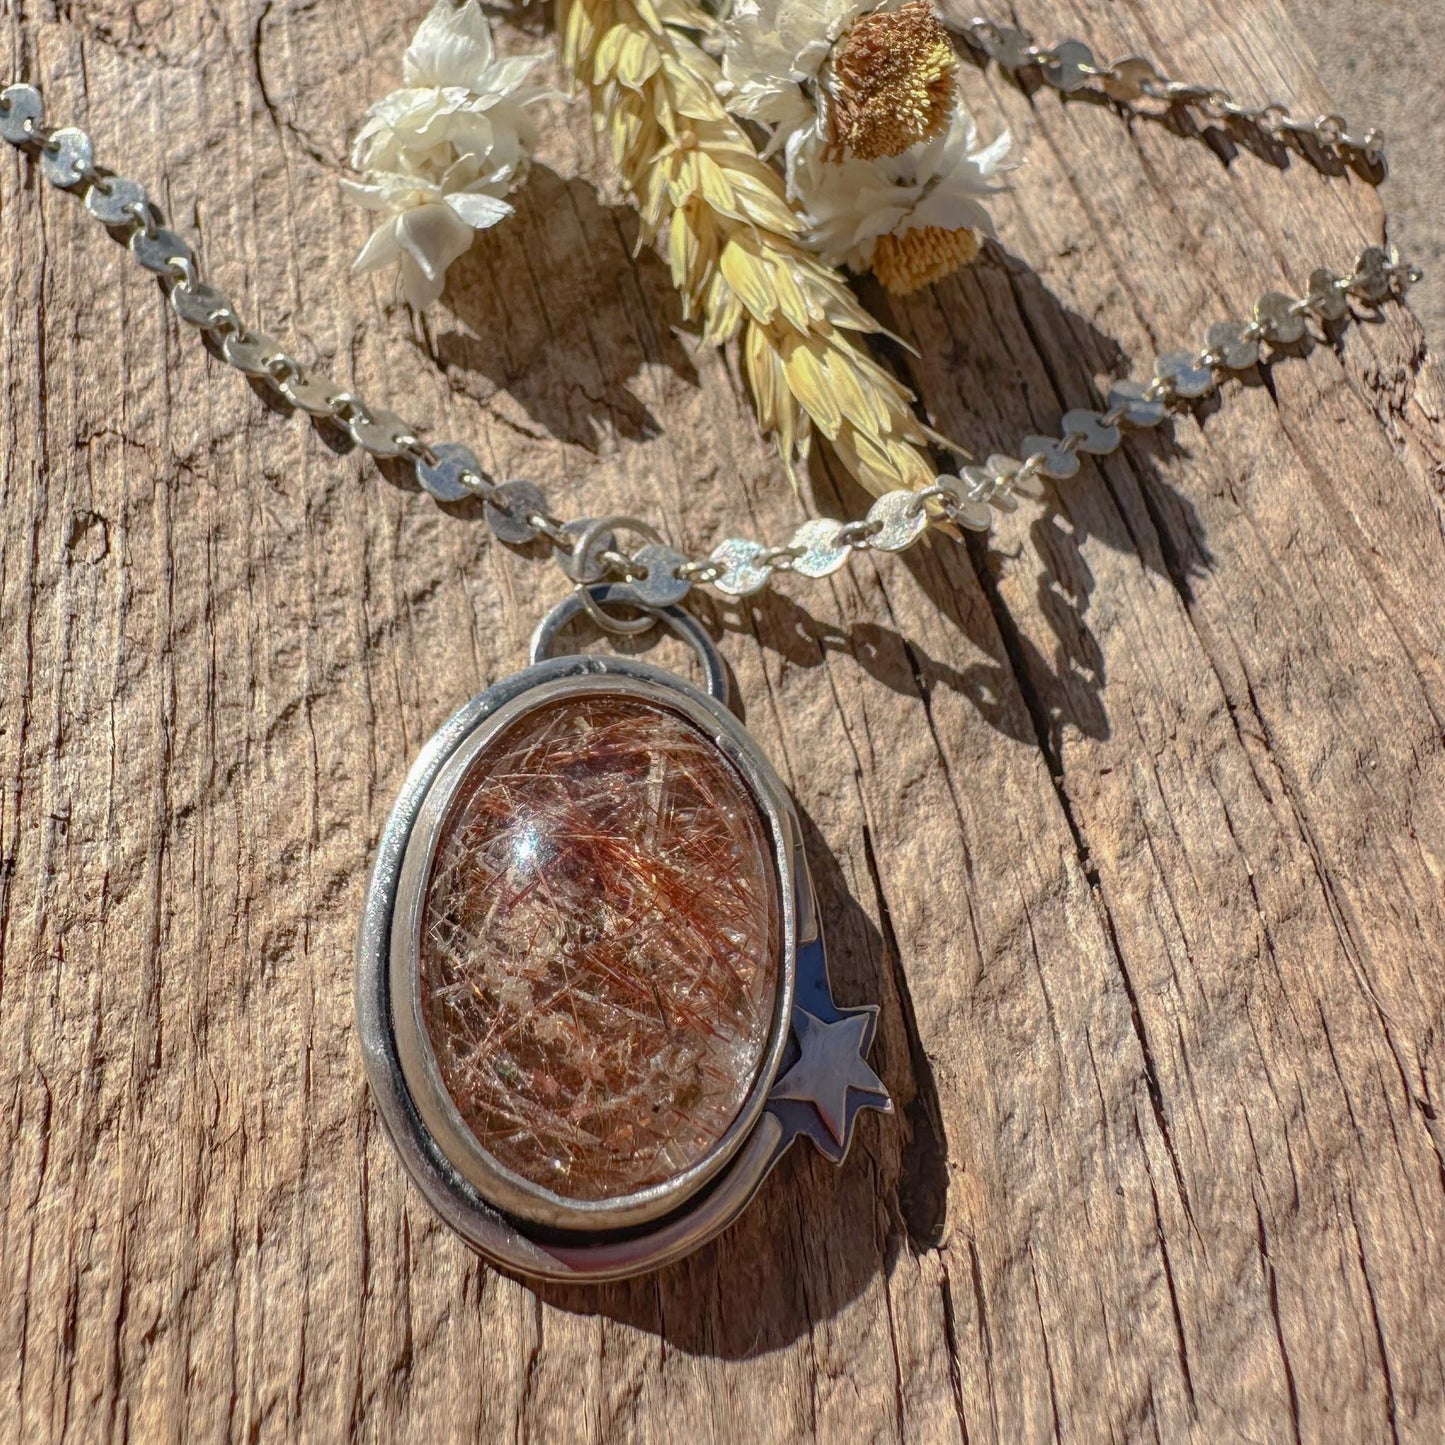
(866, 157)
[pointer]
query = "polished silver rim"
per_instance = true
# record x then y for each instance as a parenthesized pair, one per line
(515, 1194)
(511, 1220)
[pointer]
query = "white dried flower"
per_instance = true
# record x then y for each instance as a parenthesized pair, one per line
(774, 52)
(427, 225)
(912, 217)
(881, 157)
(440, 155)
(457, 93)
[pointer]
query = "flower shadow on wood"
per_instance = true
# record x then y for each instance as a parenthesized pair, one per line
(555, 309)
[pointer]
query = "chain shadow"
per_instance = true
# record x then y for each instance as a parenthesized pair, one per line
(995, 357)
(561, 310)
(1226, 136)
(817, 1236)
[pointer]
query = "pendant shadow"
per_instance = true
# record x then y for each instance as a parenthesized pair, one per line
(817, 1236)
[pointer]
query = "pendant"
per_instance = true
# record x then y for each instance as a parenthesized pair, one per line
(591, 988)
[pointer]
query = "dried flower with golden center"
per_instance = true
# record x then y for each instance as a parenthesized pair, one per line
(892, 83)
(910, 260)
(860, 98)
(911, 218)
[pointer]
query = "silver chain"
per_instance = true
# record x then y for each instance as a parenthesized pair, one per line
(589, 549)
(1070, 66)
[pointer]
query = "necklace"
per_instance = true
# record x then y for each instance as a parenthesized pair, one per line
(592, 991)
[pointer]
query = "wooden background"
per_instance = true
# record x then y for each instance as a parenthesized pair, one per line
(1133, 821)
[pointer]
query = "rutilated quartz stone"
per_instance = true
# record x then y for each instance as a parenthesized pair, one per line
(600, 946)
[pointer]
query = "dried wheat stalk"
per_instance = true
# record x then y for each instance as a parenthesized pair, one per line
(718, 214)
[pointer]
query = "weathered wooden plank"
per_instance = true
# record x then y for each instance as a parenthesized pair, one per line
(1133, 821)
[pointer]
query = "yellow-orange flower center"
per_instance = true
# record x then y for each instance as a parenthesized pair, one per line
(892, 86)
(916, 258)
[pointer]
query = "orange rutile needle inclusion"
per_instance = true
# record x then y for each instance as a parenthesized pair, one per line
(599, 958)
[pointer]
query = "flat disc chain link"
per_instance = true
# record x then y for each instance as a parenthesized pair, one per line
(1070, 66)
(657, 575)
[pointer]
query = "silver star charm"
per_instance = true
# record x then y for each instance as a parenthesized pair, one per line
(830, 1064)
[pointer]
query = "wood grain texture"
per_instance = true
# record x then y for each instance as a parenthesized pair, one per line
(1134, 821)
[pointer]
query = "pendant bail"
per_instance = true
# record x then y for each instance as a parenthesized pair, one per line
(596, 598)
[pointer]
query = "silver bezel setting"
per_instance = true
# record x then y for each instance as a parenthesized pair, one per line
(510, 1220)
(520, 1197)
